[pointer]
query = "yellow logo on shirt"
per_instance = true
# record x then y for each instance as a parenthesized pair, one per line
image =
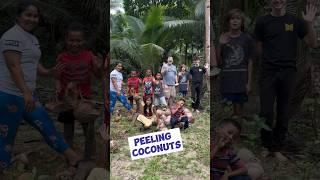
(289, 27)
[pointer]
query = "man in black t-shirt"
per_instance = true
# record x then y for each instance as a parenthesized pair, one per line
(196, 74)
(277, 35)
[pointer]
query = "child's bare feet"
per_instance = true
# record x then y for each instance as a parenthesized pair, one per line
(280, 157)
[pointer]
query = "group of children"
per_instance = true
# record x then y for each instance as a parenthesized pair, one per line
(275, 42)
(153, 103)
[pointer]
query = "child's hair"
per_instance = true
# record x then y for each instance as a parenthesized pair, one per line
(196, 58)
(182, 99)
(160, 75)
(183, 66)
(148, 69)
(147, 106)
(231, 14)
(76, 26)
(233, 122)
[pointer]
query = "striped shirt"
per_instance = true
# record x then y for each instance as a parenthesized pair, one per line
(224, 158)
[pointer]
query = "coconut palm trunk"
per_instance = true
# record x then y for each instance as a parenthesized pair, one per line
(207, 40)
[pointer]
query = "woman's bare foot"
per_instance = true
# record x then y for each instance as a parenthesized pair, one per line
(280, 157)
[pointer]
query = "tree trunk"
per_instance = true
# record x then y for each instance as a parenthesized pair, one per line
(207, 40)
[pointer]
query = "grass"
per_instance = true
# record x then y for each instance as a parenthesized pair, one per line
(191, 163)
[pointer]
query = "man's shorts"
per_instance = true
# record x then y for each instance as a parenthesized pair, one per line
(170, 91)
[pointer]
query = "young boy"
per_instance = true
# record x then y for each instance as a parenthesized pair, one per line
(235, 52)
(178, 114)
(277, 36)
(196, 75)
(225, 164)
(133, 89)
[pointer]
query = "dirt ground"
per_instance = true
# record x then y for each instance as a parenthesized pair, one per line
(43, 162)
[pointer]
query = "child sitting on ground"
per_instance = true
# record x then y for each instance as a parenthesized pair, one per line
(178, 115)
(225, 164)
(147, 115)
(133, 89)
(148, 109)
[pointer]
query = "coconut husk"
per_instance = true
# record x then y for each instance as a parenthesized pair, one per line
(83, 110)
(86, 112)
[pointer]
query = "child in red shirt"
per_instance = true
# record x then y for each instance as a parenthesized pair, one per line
(178, 114)
(148, 81)
(79, 66)
(133, 88)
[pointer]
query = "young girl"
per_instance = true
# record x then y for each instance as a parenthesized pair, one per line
(133, 88)
(235, 52)
(183, 80)
(147, 114)
(148, 109)
(159, 98)
(80, 65)
(148, 84)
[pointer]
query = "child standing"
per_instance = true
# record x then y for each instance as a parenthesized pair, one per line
(79, 65)
(159, 98)
(178, 114)
(225, 164)
(148, 84)
(133, 89)
(196, 74)
(235, 54)
(183, 80)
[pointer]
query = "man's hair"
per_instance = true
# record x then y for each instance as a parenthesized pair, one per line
(233, 122)
(182, 99)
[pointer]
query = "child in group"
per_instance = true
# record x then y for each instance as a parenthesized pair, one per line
(183, 80)
(178, 115)
(148, 109)
(234, 55)
(147, 114)
(197, 74)
(148, 84)
(79, 65)
(133, 89)
(225, 164)
(159, 98)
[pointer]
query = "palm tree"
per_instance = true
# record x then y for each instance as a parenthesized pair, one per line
(144, 43)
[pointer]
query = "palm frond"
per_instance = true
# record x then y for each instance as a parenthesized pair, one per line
(151, 56)
(135, 25)
(200, 9)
